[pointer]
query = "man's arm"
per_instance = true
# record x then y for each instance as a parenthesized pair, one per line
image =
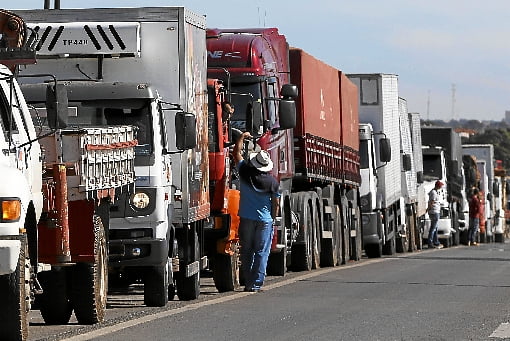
(238, 147)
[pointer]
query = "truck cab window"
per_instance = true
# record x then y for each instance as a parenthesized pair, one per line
(272, 105)
(242, 96)
(5, 119)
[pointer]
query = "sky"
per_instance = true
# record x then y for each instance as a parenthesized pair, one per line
(452, 56)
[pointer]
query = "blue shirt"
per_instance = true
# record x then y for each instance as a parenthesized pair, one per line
(255, 205)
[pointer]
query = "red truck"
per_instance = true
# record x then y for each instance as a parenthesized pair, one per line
(317, 162)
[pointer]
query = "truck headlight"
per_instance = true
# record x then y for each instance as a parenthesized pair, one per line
(140, 201)
(11, 210)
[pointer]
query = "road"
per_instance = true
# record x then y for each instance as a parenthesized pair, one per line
(460, 293)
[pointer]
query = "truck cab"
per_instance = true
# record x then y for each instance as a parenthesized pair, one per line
(258, 70)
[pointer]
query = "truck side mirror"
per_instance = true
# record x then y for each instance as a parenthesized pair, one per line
(384, 150)
(406, 162)
(185, 130)
(254, 118)
(289, 91)
(419, 177)
(287, 107)
(56, 106)
(287, 113)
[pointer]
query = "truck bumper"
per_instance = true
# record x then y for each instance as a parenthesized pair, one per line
(137, 253)
(9, 255)
(370, 228)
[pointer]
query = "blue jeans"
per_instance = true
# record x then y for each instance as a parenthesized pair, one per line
(434, 219)
(255, 238)
(474, 226)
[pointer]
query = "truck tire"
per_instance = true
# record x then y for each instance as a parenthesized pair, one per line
(330, 246)
(277, 263)
(373, 250)
(90, 281)
(301, 255)
(389, 247)
(356, 241)
(345, 232)
(316, 235)
(226, 271)
(402, 243)
(54, 303)
(188, 288)
(155, 285)
(14, 298)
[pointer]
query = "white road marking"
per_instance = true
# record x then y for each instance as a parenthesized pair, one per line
(144, 319)
(502, 332)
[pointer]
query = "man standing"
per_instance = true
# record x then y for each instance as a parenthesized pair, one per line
(258, 206)
(434, 209)
(474, 217)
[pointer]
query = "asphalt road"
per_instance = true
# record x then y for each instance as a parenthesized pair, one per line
(460, 293)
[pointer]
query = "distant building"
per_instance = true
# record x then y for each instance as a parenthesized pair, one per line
(507, 116)
(464, 132)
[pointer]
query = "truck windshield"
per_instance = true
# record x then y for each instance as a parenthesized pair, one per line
(432, 167)
(104, 113)
(363, 154)
(242, 96)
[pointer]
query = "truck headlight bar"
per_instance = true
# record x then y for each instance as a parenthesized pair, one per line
(139, 201)
(11, 210)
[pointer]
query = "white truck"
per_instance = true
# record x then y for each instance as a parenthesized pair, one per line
(422, 197)
(410, 148)
(442, 161)
(484, 154)
(59, 185)
(383, 205)
(146, 67)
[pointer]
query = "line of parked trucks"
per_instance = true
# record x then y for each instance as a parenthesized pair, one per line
(118, 152)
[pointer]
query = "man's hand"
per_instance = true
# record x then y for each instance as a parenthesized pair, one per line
(238, 147)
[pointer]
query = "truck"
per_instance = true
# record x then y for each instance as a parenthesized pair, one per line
(316, 154)
(145, 66)
(422, 197)
(383, 204)
(500, 199)
(55, 206)
(484, 156)
(442, 161)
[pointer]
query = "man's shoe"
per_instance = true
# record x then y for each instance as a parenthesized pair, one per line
(469, 243)
(440, 246)
(475, 244)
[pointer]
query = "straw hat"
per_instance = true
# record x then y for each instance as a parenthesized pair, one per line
(261, 161)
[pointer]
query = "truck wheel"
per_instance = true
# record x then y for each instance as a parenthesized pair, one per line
(402, 243)
(301, 255)
(329, 247)
(356, 243)
(155, 285)
(14, 298)
(226, 271)
(90, 281)
(188, 288)
(345, 232)
(389, 247)
(373, 250)
(54, 303)
(277, 263)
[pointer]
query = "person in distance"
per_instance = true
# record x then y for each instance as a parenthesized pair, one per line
(434, 209)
